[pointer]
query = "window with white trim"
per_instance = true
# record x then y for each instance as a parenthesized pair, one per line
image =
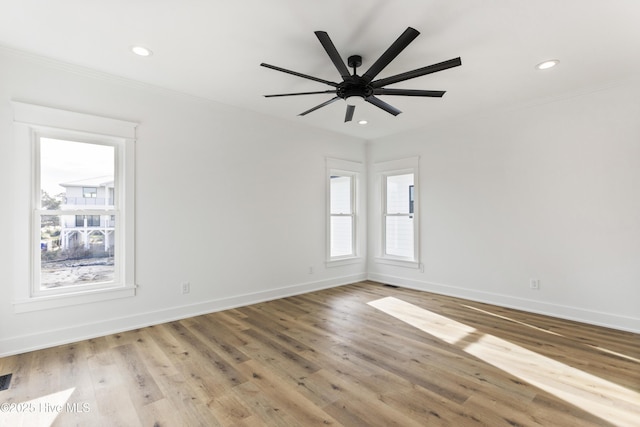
(342, 215)
(398, 214)
(82, 218)
(343, 226)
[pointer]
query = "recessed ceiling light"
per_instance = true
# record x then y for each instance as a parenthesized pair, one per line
(363, 122)
(547, 64)
(141, 50)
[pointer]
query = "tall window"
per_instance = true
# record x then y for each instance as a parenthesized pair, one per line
(342, 213)
(81, 235)
(398, 240)
(399, 216)
(343, 236)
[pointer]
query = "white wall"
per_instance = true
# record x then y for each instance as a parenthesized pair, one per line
(548, 191)
(234, 202)
(231, 201)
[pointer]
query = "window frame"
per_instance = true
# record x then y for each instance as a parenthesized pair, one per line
(34, 122)
(382, 171)
(354, 170)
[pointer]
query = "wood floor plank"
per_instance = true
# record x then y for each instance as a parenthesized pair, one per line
(230, 410)
(115, 409)
(361, 412)
(339, 357)
(262, 407)
(285, 396)
(141, 385)
(221, 338)
(227, 375)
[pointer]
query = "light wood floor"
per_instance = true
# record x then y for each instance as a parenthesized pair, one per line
(357, 355)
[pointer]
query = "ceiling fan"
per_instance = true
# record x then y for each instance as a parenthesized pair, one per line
(365, 87)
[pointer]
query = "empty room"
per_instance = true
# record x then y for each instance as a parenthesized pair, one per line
(348, 213)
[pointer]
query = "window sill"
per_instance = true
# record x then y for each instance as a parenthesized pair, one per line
(344, 261)
(64, 300)
(398, 262)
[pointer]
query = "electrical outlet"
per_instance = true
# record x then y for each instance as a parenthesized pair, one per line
(186, 287)
(534, 283)
(310, 270)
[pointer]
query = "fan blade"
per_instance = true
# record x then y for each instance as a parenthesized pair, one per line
(417, 73)
(381, 104)
(333, 53)
(409, 92)
(393, 51)
(304, 76)
(319, 106)
(349, 114)
(300, 93)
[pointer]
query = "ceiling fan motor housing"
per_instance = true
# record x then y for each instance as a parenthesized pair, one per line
(355, 86)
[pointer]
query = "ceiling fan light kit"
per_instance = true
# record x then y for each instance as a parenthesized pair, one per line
(355, 88)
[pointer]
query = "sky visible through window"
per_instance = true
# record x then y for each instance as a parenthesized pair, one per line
(67, 161)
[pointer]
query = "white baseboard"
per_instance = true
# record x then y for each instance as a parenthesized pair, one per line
(52, 338)
(608, 320)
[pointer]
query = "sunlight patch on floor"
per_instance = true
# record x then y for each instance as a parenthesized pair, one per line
(439, 326)
(513, 320)
(40, 412)
(588, 392)
(614, 353)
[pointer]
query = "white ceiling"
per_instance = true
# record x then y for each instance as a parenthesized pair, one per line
(212, 49)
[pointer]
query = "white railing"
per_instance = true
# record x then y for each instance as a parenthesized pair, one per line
(88, 201)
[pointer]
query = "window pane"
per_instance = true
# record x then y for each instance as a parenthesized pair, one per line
(341, 236)
(88, 221)
(89, 192)
(340, 192)
(399, 236)
(76, 255)
(76, 249)
(398, 193)
(75, 174)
